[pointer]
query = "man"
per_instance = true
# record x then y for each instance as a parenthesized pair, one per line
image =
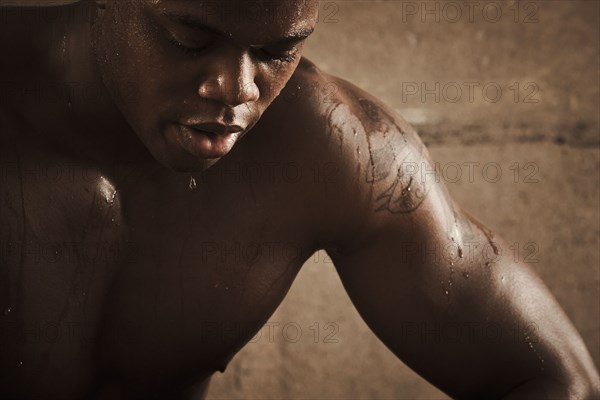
(114, 282)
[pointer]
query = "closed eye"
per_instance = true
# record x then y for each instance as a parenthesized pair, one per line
(277, 53)
(185, 48)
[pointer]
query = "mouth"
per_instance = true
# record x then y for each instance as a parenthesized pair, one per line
(205, 140)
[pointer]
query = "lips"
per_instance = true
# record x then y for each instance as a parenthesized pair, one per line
(215, 127)
(204, 140)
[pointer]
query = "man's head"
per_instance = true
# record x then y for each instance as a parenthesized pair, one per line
(204, 71)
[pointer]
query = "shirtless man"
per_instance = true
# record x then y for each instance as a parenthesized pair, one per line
(134, 146)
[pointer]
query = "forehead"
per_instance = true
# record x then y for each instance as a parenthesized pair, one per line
(256, 18)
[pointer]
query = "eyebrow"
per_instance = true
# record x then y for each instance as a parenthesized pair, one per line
(197, 24)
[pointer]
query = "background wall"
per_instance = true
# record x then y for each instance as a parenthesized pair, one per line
(544, 57)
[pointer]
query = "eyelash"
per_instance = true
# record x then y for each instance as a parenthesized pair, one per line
(284, 58)
(288, 57)
(185, 49)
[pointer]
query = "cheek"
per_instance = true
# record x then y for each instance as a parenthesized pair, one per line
(271, 82)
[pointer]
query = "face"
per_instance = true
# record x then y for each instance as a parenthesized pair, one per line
(203, 71)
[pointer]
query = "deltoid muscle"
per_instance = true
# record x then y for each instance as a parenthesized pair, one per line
(395, 166)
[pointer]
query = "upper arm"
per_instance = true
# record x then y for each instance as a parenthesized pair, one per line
(434, 284)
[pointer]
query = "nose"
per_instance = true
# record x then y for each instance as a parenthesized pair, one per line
(231, 81)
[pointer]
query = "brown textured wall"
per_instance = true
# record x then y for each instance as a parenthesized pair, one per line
(547, 52)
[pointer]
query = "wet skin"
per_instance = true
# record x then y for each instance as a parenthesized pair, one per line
(133, 266)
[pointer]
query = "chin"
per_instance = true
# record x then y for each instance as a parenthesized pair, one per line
(177, 160)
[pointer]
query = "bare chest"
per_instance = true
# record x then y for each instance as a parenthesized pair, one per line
(143, 282)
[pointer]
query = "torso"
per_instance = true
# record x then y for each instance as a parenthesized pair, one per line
(132, 276)
(149, 284)
(128, 281)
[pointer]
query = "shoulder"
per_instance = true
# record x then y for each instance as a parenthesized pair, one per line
(316, 94)
(344, 114)
(377, 156)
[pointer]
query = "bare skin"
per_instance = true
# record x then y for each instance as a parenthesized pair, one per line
(135, 266)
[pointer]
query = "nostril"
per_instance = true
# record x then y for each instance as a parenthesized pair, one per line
(232, 95)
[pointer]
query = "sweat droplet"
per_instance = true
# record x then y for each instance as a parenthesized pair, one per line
(7, 311)
(496, 250)
(110, 200)
(529, 342)
(192, 184)
(466, 275)
(19, 364)
(445, 288)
